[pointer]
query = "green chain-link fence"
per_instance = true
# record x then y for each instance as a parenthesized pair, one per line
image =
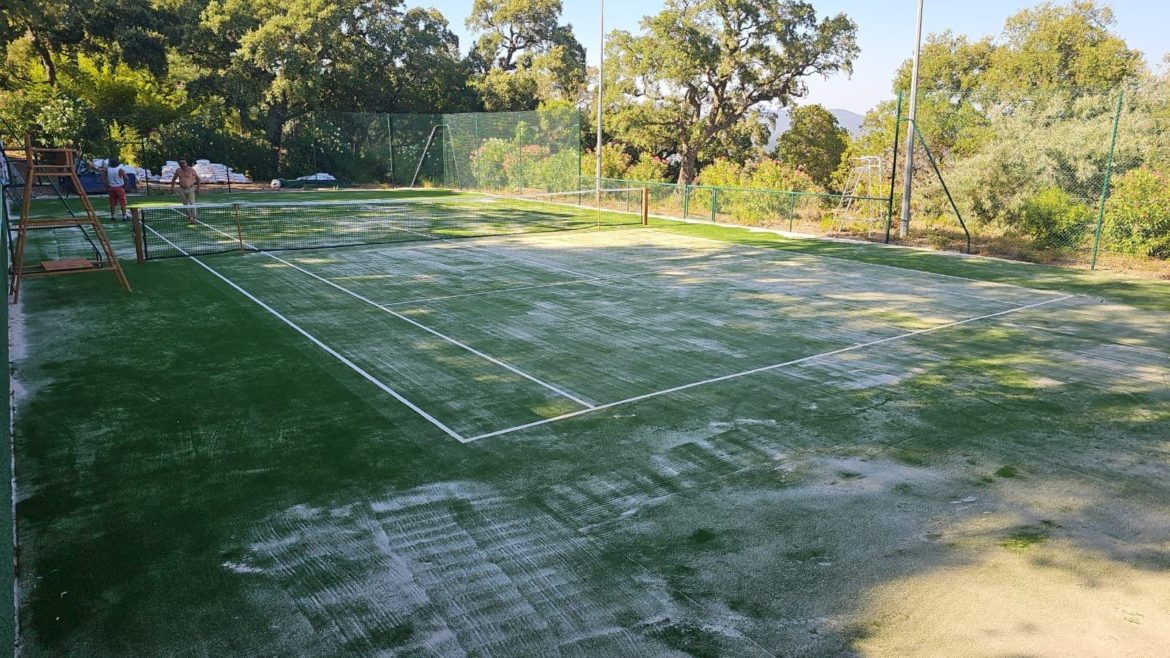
(1071, 177)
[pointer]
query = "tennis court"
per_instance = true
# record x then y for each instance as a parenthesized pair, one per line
(503, 334)
(484, 426)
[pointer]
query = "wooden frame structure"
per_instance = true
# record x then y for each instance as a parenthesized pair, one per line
(55, 163)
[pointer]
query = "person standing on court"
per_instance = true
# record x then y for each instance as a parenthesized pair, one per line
(115, 179)
(188, 181)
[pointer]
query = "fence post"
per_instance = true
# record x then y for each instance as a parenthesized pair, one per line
(791, 210)
(894, 168)
(645, 206)
(714, 205)
(686, 200)
(1108, 180)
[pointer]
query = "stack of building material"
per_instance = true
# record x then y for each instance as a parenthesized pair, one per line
(208, 172)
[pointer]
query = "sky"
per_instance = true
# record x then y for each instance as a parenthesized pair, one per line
(885, 33)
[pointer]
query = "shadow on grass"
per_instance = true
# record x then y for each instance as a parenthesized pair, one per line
(170, 439)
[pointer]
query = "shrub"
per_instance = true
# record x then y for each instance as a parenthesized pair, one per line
(1137, 216)
(722, 173)
(614, 161)
(648, 168)
(558, 172)
(1053, 218)
(774, 175)
(487, 164)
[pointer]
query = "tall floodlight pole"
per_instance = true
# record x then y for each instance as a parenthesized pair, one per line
(908, 182)
(600, 75)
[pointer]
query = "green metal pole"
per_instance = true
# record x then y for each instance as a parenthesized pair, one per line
(1108, 179)
(894, 168)
(791, 210)
(942, 181)
(714, 204)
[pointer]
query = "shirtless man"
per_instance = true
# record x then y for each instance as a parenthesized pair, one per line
(188, 185)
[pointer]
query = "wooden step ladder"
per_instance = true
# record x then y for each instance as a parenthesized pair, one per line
(52, 163)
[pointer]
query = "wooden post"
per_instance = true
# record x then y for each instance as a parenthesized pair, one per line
(239, 229)
(136, 224)
(645, 206)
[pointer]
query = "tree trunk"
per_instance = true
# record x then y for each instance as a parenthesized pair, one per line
(277, 115)
(45, 56)
(686, 172)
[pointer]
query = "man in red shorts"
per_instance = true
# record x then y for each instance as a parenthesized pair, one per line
(115, 180)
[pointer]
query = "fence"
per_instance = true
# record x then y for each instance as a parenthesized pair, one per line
(1070, 177)
(811, 213)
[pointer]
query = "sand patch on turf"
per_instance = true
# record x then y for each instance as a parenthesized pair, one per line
(1058, 600)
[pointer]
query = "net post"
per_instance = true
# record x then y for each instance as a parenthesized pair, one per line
(714, 205)
(239, 228)
(645, 206)
(136, 225)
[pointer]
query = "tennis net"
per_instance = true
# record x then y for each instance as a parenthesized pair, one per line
(170, 231)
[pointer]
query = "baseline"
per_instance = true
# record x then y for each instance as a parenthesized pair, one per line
(855, 243)
(753, 371)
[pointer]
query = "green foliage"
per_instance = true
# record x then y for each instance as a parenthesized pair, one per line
(517, 164)
(723, 173)
(650, 168)
(523, 55)
(760, 193)
(614, 161)
(813, 144)
(1054, 219)
(487, 164)
(202, 137)
(1137, 215)
(773, 175)
(1063, 46)
(60, 119)
(135, 33)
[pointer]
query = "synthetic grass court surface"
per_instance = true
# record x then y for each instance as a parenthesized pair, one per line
(974, 466)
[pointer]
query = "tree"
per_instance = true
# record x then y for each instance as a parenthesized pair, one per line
(813, 143)
(130, 32)
(523, 55)
(953, 74)
(700, 66)
(1063, 46)
(355, 55)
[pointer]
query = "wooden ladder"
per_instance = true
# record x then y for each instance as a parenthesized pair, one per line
(57, 163)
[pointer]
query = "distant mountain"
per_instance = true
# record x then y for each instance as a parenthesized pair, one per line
(778, 122)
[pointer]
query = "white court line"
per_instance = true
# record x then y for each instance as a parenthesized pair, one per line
(858, 244)
(507, 366)
(464, 346)
(753, 371)
(755, 254)
(313, 339)
(486, 292)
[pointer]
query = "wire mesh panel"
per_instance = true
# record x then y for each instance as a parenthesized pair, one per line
(516, 151)
(170, 231)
